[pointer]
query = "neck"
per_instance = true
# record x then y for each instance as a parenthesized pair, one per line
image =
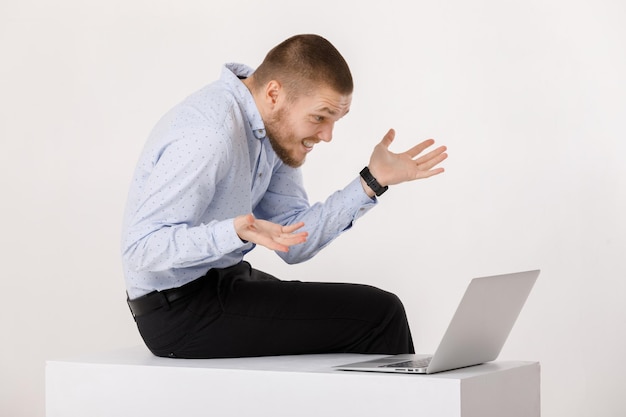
(258, 100)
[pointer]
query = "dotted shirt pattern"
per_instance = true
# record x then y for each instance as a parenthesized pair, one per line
(207, 161)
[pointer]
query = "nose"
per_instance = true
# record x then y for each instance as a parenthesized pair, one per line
(326, 133)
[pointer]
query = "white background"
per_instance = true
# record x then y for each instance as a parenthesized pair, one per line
(529, 96)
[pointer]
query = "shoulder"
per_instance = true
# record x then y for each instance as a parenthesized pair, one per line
(211, 112)
(213, 104)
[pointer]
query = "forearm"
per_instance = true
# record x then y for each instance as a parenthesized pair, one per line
(325, 221)
(179, 246)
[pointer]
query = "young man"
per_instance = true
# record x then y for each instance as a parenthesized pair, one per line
(219, 175)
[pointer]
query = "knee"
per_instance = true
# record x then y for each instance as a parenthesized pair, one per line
(387, 301)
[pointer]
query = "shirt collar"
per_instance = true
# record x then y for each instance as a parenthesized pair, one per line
(230, 76)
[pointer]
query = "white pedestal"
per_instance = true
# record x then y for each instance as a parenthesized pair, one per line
(134, 383)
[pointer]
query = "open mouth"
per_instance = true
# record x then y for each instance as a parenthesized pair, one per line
(308, 144)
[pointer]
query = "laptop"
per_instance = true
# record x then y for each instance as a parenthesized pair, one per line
(477, 332)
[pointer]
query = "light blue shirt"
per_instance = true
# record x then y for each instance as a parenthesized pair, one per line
(207, 161)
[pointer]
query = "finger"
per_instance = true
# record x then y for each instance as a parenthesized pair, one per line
(430, 173)
(427, 170)
(294, 239)
(430, 155)
(388, 138)
(243, 222)
(283, 242)
(293, 227)
(248, 219)
(278, 247)
(292, 236)
(419, 148)
(270, 243)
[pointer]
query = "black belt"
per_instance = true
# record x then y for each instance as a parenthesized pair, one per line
(162, 299)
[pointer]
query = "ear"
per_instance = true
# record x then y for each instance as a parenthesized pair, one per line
(273, 91)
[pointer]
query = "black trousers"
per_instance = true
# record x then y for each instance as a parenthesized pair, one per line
(240, 311)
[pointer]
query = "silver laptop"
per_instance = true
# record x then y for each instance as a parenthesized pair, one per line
(477, 332)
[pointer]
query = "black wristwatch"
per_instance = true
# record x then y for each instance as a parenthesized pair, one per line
(372, 183)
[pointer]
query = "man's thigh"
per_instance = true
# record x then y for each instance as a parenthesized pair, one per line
(270, 317)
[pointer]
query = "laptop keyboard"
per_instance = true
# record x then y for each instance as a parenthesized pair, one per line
(419, 363)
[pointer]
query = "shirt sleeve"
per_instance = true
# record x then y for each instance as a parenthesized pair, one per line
(286, 202)
(173, 185)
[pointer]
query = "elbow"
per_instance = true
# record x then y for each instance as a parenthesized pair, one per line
(138, 258)
(133, 260)
(293, 257)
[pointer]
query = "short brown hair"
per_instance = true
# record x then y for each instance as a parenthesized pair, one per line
(304, 62)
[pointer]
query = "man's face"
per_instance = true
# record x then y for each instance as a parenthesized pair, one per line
(294, 127)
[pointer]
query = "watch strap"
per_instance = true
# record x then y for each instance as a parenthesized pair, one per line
(372, 182)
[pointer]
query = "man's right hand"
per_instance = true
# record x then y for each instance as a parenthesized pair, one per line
(271, 235)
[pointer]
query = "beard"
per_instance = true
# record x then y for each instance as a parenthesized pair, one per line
(280, 134)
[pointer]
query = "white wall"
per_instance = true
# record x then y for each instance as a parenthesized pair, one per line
(527, 95)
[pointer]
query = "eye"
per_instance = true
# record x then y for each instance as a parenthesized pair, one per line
(318, 119)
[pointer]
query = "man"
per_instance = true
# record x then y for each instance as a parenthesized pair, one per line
(218, 176)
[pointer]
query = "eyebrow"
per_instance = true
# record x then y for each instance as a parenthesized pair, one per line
(330, 111)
